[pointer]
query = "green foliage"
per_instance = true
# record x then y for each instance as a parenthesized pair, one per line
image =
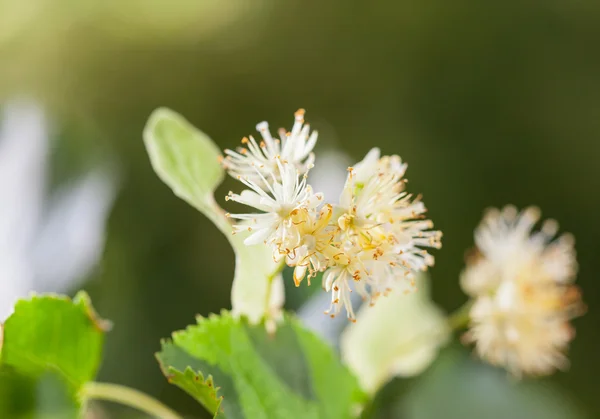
(46, 396)
(398, 336)
(287, 374)
(186, 159)
(183, 370)
(51, 347)
(458, 387)
(57, 333)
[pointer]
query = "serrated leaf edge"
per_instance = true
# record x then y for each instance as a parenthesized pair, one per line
(199, 378)
(202, 321)
(198, 375)
(209, 382)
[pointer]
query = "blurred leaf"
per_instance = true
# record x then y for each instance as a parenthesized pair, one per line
(53, 332)
(51, 347)
(26, 397)
(187, 160)
(253, 293)
(287, 374)
(459, 387)
(399, 336)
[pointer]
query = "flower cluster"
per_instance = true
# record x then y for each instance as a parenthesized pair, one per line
(524, 297)
(370, 241)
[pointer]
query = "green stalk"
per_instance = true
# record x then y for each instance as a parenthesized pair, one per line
(129, 397)
(460, 318)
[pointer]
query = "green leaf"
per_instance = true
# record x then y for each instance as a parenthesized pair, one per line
(53, 332)
(182, 369)
(187, 160)
(46, 396)
(51, 345)
(458, 387)
(288, 374)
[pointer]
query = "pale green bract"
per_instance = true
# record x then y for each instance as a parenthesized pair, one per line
(186, 159)
(240, 370)
(399, 336)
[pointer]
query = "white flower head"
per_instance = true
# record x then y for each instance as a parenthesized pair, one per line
(277, 198)
(348, 268)
(504, 243)
(382, 232)
(524, 297)
(313, 248)
(371, 242)
(294, 147)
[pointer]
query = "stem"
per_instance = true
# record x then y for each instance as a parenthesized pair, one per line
(271, 277)
(460, 318)
(215, 213)
(129, 397)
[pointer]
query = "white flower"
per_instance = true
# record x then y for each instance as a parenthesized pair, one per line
(293, 147)
(338, 279)
(379, 211)
(382, 232)
(277, 198)
(313, 248)
(524, 299)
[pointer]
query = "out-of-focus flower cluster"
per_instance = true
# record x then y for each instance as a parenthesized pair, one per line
(521, 282)
(371, 241)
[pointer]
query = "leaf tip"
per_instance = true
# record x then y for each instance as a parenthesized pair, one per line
(82, 298)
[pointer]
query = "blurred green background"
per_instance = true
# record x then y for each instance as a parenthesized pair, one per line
(489, 102)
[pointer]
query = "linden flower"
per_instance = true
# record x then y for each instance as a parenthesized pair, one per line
(371, 273)
(312, 246)
(524, 299)
(383, 228)
(277, 198)
(373, 242)
(504, 243)
(380, 213)
(294, 147)
(338, 279)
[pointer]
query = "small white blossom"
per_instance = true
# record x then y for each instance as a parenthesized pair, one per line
(277, 198)
(293, 147)
(524, 299)
(382, 230)
(348, 268)
(311, 248)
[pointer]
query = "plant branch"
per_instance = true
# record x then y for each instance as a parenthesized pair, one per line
(460, 318)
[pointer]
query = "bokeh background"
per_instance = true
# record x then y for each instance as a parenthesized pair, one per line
(489, 102)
